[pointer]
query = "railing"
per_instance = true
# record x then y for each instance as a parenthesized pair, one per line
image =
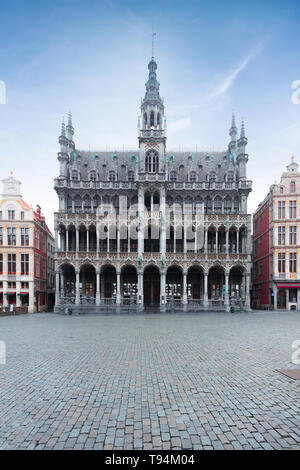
(108, 301)
(216, 304)
(66, 300)
(195, 303)
(87, 300)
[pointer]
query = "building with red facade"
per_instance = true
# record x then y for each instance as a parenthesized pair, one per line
(26, 253)
(276, 245)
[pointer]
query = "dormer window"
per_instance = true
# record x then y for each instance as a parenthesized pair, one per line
(112, 176)
(281, 190)
(192, 176)
(75, 175)
(173, 176)
(212, 177)
(93, 175)
(230, 177)
(292, 187)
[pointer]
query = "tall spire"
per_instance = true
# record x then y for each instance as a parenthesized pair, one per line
(70, 128)
(63, 128)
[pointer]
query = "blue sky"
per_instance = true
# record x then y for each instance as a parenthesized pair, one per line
(91, 57)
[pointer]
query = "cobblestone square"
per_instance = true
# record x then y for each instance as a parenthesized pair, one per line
(149, 381)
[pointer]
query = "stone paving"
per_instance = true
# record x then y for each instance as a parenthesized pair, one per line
(149, 381)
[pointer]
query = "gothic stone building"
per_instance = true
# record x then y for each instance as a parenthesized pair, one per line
(151, 227)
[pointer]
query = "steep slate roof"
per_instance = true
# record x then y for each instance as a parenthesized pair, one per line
(201, 162)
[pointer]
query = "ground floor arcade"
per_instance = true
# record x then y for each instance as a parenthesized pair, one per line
(154, 287)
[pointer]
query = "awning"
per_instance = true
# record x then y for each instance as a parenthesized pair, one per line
(9, 293)
(289, 286)
(23, 293)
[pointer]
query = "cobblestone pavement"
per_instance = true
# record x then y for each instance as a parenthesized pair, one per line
(149, 381)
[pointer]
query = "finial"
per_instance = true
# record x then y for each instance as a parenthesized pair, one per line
(293, 158)
(70, 119)
(243, 129)
(63, 127)
(233, 120)
(153, 36)
(11, 172)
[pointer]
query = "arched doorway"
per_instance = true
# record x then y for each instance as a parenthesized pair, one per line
(108, 288)
(216, 280)
(195, 283)
(236, 283)
(68, 281)
(151, 287)
(174, 283)
(88, 283)
(129, 284)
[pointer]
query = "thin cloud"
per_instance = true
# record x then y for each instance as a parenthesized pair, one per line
(228, 80)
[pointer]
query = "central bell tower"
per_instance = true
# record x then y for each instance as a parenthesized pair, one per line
(152, 126)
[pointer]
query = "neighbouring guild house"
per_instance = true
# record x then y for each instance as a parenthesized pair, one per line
(26, 253)
(276, 241)
(181, 239)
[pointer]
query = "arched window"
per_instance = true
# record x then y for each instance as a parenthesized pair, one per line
(281, 190)
(218, 205)
(131, 175)
(173, 176)
(227, 205)
(192, 176)
(158, 119)
(212, 177)
(292, 187)
(230, 177)
(75, 175)
(145, 119)
(112, 176)
(93, 175)
(152, 118)
(151, 161)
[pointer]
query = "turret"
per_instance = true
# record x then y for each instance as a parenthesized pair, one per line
(62, 156)
(151, 125)
(242, 157)
(233, 133)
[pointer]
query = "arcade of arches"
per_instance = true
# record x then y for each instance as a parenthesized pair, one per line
(153, 287)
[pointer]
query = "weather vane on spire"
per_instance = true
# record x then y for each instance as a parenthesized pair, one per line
(153, 36)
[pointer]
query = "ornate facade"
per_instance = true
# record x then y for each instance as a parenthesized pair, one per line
(150, 227)
(26, 253)
(276, 241)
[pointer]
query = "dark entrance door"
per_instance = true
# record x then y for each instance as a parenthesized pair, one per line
(151, 287)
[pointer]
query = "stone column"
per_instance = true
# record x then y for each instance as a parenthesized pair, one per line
(67, 239)
(206, 290)
(140, 228)
(18, 290)
(247, 299)
(237, 240)
(57, 293)
(184, 293)
(56, 239)
(140, 298)
(217, 240)
(184, 239)
(98, 286)
(163, 221)
(77, 300)
(118, 238)
(205, 240)
(226, 303)
(107, 239)
(62, 285)
(227, 241)
(196, 250)
(97, 240)
(118, 299)
(163, 290)
(87, 239)
(73, 206)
